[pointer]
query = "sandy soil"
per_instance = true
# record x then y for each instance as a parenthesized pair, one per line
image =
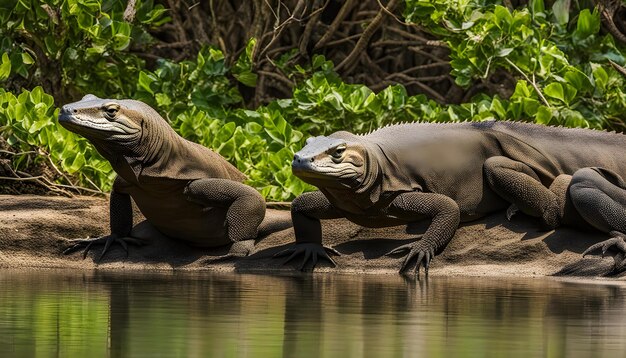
(34, 230)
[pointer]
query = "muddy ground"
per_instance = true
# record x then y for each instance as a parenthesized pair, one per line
(34, 230)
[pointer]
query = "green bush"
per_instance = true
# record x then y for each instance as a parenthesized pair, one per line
(563, 60)
(71, 47)
(564, 71)
(28, 122)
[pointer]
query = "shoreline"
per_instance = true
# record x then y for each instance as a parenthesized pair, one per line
(34, 230)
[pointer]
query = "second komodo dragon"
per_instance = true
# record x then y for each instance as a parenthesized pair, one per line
(448, 173)
(186, 191)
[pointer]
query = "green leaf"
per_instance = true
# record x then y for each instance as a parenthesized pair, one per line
(503, 16)
(577, 79)
(121, 35)
(504, 52)
(163, 100)
(560, 8)
(544, 115)
(247, 78)
(573, 118)
(537, 7)
(318, 61)
(77, 163)
(600, 76)
(27, 59)
(225, 133)
(569, 93)
(588, 24)
(227, 149)
(496, 107)
(530, 106)
(521, 90)
(554, 90)
(145, 80)
(5, 67)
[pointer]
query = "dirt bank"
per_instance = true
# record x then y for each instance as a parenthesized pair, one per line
(34, 231)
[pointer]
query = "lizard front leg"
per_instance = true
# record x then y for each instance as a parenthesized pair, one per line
(121, 223)
(599, 196)
(246, 210)
(414, 206)
(306, 212)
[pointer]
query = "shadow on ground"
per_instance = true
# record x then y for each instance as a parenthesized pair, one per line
(34, 230)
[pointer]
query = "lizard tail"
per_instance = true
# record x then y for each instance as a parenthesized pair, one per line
(275, 220)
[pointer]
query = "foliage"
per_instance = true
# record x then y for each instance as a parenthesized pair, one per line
(28, 121)
(74, 46)
(550, 64)
(563, 60)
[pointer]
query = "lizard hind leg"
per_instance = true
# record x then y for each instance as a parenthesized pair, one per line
(518, 184)
(599, 196)
(246, 210)
(615, 246)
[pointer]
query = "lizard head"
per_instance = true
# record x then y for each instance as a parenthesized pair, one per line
(103, 120)
(331, 162)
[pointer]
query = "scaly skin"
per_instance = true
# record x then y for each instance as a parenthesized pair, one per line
(599, 196)
(186, 191)
(450, 173)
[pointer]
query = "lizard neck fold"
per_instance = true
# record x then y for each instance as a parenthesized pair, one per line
(156, 149)
(149, 154)
(372, 177)
(384, 177)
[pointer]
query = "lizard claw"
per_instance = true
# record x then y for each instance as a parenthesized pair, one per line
(511, 211)
(312, 252)
(615, 246)
(238, 250)
(86, 244)
(423, 253)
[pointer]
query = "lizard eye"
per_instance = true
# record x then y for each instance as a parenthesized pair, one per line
(111, 109)
(338, 152)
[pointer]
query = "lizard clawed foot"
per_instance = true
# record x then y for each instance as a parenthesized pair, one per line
(311, 251)
(238, 250)
(511, 211)
(87, 244)
(420, 250)
(615, 246)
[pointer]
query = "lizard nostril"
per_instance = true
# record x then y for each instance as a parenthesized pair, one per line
(75, 110)
(311, 160)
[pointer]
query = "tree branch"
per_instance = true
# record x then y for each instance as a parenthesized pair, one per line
(129, 13)
(365, 37)
(343, 12)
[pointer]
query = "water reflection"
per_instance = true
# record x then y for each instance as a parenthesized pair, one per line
(233, 315)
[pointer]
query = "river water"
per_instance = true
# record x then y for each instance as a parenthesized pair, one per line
(67, 314)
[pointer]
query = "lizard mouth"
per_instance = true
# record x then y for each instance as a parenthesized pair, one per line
(310, 171)
(340, 176)
(100, 128)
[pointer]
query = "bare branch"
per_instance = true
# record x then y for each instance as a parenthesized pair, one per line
(129, 13)
(410, 43)
(409, 80)
(532, 82)
(345, 10)
(426, 67)
(365, 37)
(277, 77)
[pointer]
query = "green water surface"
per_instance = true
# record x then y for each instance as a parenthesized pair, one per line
(78, 314)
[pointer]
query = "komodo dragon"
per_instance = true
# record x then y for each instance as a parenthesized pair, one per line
(455, 172)
(186, 191)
